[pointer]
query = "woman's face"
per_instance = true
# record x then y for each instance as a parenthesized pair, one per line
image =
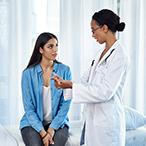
(50, 50)
(97, 32)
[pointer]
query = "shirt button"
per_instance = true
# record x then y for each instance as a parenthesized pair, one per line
(51, 88)
(51, 98)
(52, 108)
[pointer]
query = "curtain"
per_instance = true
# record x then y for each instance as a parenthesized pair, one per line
(15, 42)
(77, 47)
(23, 20)
(133, 38)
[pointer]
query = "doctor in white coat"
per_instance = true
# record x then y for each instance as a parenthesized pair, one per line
(101, 87)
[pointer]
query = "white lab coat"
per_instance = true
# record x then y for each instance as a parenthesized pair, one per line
(103, 94)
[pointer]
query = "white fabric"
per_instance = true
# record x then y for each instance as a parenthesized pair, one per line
(47, 112)
(5, 138)
(67, 94)
(104, 113)
(77, 47)
(15, 132)
(133, 39)
(15, 43)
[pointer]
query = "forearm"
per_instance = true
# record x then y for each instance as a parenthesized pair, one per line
(66, 84)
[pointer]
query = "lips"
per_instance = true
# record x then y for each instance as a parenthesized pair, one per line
(54, 55)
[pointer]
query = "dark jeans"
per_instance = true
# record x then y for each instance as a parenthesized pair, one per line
(83, 135)
(32, 138)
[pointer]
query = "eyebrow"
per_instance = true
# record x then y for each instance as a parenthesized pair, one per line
(49, 44)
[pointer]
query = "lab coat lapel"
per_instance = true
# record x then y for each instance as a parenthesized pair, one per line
(102, 59)
(95, 62)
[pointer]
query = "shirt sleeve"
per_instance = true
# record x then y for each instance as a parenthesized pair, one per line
(29, 107)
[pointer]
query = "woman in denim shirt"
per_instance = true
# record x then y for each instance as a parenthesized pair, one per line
(45, 121)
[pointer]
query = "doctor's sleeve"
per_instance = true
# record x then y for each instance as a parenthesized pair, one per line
(68, 92)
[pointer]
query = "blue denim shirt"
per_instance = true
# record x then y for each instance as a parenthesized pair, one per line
(32, 85)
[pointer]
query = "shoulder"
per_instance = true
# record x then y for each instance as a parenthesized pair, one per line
(121, 56)
(30, 70)
(62, 66)
(63, 71)
(120, 52)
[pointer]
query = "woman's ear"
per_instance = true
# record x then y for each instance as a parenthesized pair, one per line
(105, 28)
(40, 50)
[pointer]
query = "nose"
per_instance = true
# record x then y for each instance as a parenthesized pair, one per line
(55, 48)
(93, 35)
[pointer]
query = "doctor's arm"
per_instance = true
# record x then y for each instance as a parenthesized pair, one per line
(104, 90)
(65, 84)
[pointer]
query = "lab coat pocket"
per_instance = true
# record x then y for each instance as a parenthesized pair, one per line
(100, 73)
(104, 115)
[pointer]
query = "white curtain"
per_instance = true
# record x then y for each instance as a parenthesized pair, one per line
(77, 47)
(23, 20)
(15, 42)
(133, 12)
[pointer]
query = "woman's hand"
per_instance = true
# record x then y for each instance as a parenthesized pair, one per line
(51, 131)
(46, 138)
(60, 83)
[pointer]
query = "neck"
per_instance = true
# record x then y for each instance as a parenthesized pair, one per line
(46, 65)
(111, 39)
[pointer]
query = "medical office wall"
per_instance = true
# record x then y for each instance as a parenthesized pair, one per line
(23, 20)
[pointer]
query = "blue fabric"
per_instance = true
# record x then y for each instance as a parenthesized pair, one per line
(32, 85)
(133, 118)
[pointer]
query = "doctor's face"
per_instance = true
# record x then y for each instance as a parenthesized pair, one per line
(97, 32)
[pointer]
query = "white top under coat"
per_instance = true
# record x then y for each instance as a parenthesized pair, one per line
(47, 114)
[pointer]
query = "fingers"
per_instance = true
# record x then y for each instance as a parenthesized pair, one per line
(50, 139)
(56, 75)
(56, 80)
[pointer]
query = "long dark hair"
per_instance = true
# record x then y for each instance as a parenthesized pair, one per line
(109, 18)
(36, 56)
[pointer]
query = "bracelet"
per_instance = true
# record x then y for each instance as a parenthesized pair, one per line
(49, 134)
(44, 135)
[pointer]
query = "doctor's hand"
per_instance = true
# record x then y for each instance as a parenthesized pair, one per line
(60, 83)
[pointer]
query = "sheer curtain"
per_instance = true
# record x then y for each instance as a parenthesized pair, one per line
(133, 12)
(15, 27)
(22, 21)
(77, 47)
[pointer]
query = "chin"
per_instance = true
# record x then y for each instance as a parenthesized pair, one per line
(100, 42)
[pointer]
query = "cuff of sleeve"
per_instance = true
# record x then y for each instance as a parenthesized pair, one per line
(67, 94)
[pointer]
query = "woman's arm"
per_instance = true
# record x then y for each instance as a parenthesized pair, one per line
(28, 102)
(30, 110)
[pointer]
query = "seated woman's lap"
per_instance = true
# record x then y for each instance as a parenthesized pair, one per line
(31, 137)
